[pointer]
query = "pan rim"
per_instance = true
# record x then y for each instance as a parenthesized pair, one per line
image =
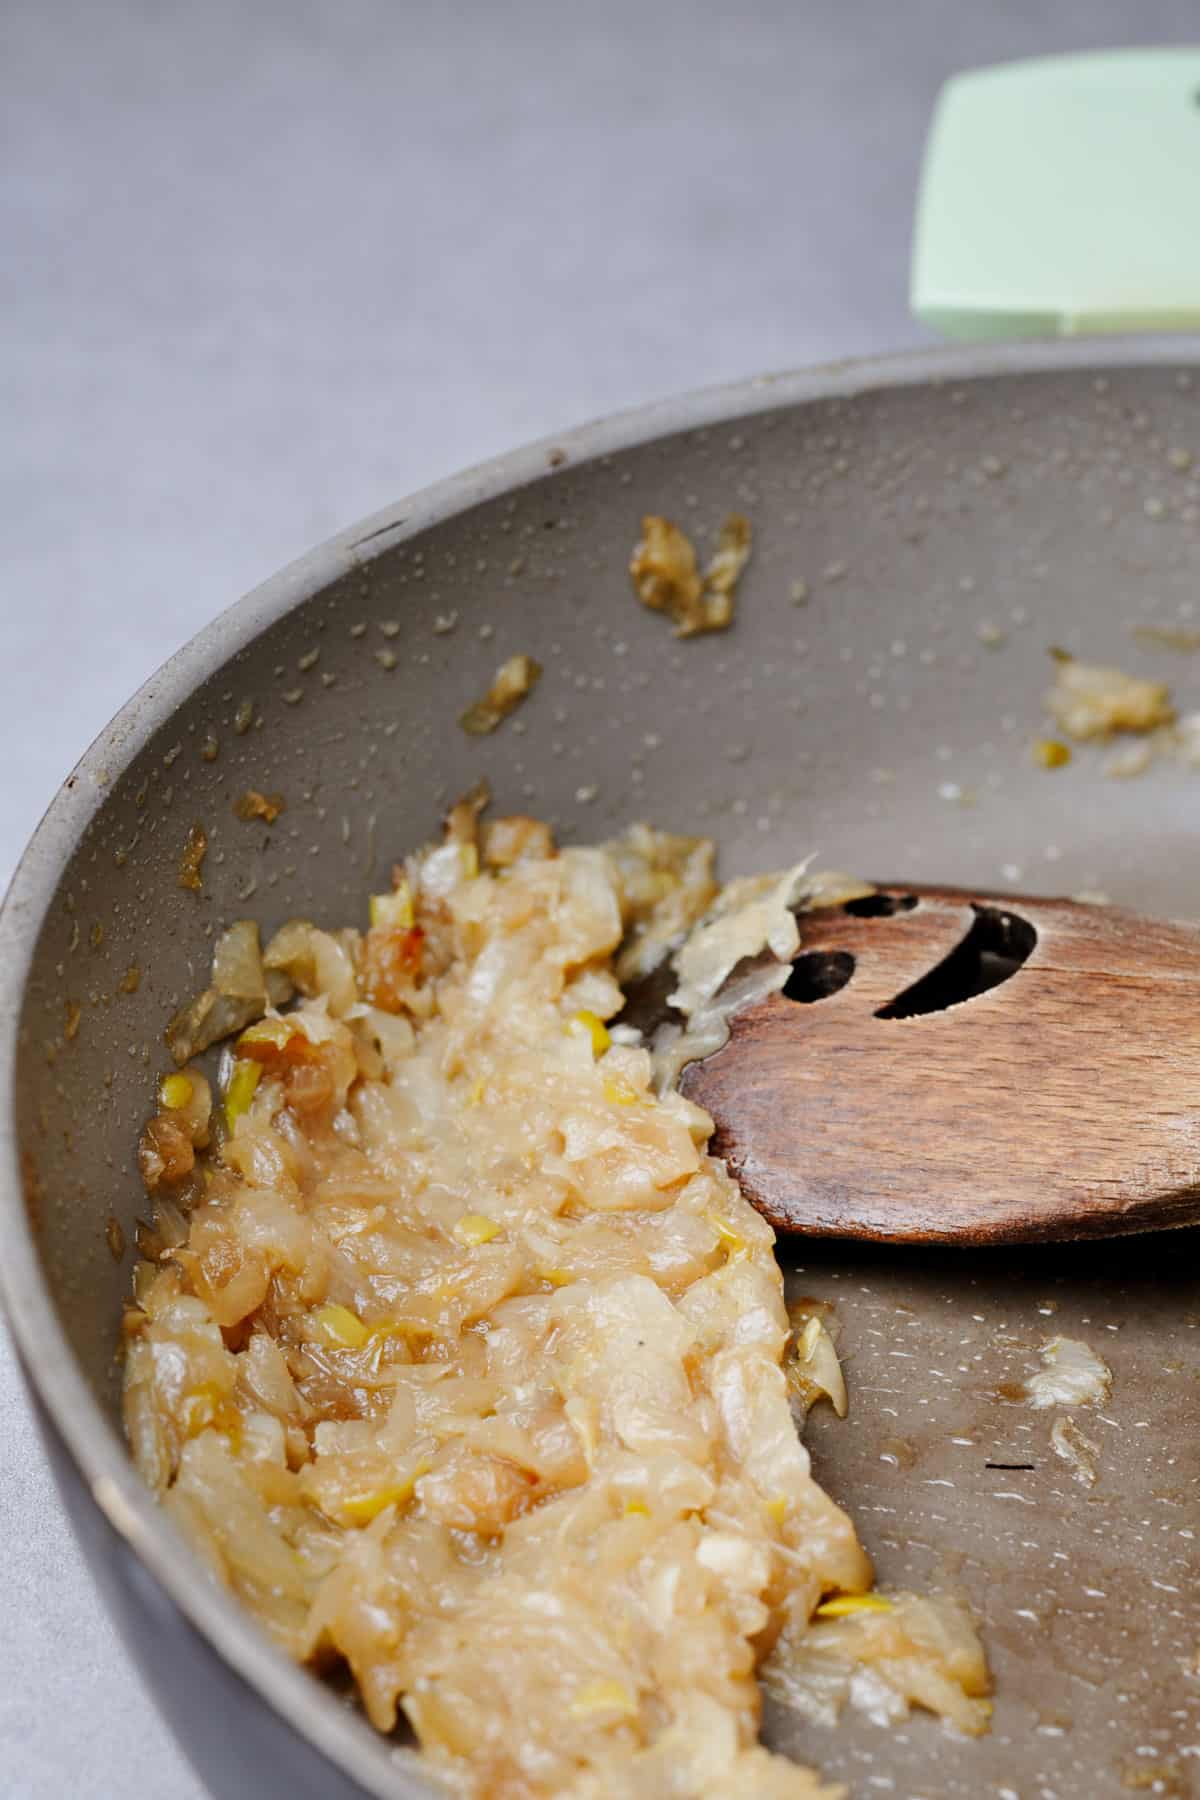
(47, 1361)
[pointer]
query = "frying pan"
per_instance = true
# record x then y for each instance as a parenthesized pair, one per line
(933, 505)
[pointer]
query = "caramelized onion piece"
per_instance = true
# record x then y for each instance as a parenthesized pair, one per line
(666, 577)
(512, 682)
(1091, 701)
(191, 862)
(253, 805)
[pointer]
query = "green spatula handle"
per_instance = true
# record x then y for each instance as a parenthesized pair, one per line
(1062, 196)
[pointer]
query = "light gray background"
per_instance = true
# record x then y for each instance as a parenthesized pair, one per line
(267, 267)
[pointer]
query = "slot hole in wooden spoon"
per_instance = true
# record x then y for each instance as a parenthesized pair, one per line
(880, 906)
(995, 947)
(818, 975)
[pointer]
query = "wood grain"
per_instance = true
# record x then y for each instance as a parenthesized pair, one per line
(1063, 1103)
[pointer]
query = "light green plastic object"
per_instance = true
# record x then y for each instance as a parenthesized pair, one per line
(1063, 196)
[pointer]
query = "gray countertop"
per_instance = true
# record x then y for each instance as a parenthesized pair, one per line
(270, 266)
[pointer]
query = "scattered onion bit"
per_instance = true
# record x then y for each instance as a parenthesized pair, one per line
(341, 1327)
(811, 1365)
(1092, 701)
(603, 1697)
(729, 559)
(1071, 1375)
(475, 1228)
(1075, 1448)
(364, 1507)
(666, 578)
(395, 908)
(175, 1091)
(468, 856)
(842, 1606)
(663, 570)
(240, 1092)
(1051, 753)
(513, 680)
(253, 805)
(589, 1024)
(195, 849)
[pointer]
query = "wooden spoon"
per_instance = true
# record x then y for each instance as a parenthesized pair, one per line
(948, 1067)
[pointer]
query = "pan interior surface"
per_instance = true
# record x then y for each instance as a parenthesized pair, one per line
(919, 546)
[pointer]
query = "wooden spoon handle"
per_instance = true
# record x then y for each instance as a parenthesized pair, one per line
(947, 1066)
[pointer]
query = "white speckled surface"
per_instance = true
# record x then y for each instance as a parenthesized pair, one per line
(270, 266)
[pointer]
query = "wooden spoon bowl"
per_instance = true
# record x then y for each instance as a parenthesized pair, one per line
(948, 1067)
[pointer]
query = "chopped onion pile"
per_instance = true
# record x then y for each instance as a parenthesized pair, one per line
(462, 1363)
